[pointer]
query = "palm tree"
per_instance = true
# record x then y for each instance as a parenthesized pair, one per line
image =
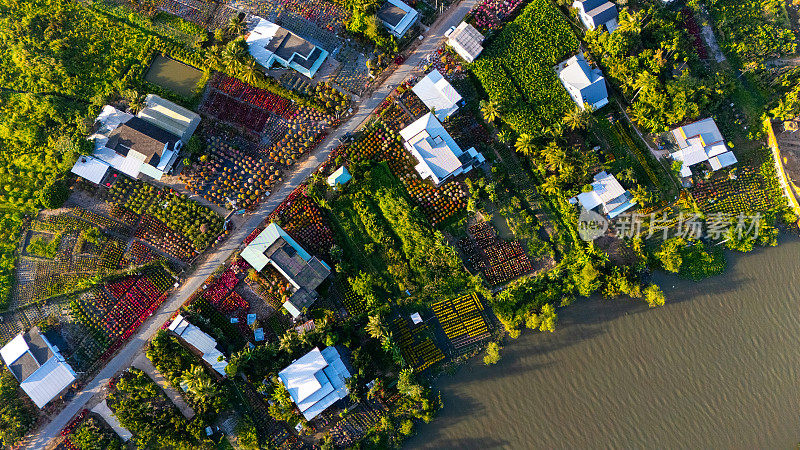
(376, 328)
(550, 185)
(193, 377)
(136, 101)
(579, 117)
(235, 53)
(289, 340)
(490, 110)
(236, 25)
(554, 130)
(505, 137)
(524, 144)
(250, 73)
(555, 157)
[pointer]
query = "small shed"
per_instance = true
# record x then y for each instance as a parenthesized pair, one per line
(340, 177)
(416, 318)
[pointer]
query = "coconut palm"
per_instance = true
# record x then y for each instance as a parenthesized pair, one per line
(550, 185)
(235, 53)
(578, 118)
(192, 378)
(236, 25)
(525, 145)
(136, 101)
(250, 73)
(376, 328)
(490, 110)
(289, 340)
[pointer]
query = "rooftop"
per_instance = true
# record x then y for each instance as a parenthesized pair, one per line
(141, 136)
(699, 142)
(433, 146)
(467, 41)
(316, 380)
(168, 116)
(38, 366)
(201, 342)
(397, 16)
(437, 94)
(607, 194)
(269, 43)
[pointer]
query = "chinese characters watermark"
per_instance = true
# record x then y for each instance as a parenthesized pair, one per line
(714, 226)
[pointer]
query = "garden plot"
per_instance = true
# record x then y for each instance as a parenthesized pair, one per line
(754, 188)
(381, 143)
(63, 251)
(416, 344)
(355, 425)
(500, 261)
(109, 314)
(353, 74)
(323, 14)
(462, 320)
(166, 219)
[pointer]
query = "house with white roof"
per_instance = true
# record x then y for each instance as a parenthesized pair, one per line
(316, 381)
(339, 177)
(594, 13)
(146, 144)
(699, 142)
(304, 272)
(606, 197)
(437, 154)
(466, 40)
(272, 44)
(437, 94)
(585, 84)
(201, 342)
(397, 17)
(38, 366)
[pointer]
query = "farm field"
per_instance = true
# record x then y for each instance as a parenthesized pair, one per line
(516, 70)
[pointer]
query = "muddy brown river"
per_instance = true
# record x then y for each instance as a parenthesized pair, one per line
(717, 367)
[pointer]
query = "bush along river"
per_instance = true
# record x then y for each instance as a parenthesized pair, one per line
(717, 366)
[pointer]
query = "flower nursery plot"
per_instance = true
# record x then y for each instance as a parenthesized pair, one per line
(168, 220)
(74, 259)
(755, 188)
(306, 223)
(417, 348)
(499, 260)
(380, 143)
(324, 14)
(112, 312)
(462, 320)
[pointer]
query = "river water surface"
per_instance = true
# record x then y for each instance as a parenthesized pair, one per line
(717, 366)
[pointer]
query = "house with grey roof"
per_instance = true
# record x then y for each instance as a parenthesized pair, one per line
(271, 44)
(606, 196)
(594, 13)
(397, 17)
(584, 84)
(38, 366)
(146, 144)
(700, 142)
(316, 380)
(466, 40)
(304, 272)
(200, 341)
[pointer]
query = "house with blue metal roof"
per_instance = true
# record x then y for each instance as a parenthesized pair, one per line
(339, 178)
(584, 83)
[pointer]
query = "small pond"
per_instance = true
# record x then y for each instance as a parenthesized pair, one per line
(173, 75)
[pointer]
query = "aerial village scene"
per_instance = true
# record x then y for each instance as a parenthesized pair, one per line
(278, 223)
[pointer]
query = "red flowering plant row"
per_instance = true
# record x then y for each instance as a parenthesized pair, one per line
(232, 303)
(257, 97)
(220, 288)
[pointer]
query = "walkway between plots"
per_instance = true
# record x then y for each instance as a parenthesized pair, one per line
(142, 363)
(105, 412)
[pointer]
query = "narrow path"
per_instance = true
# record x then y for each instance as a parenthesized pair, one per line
(143, 363)
(209, 262)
